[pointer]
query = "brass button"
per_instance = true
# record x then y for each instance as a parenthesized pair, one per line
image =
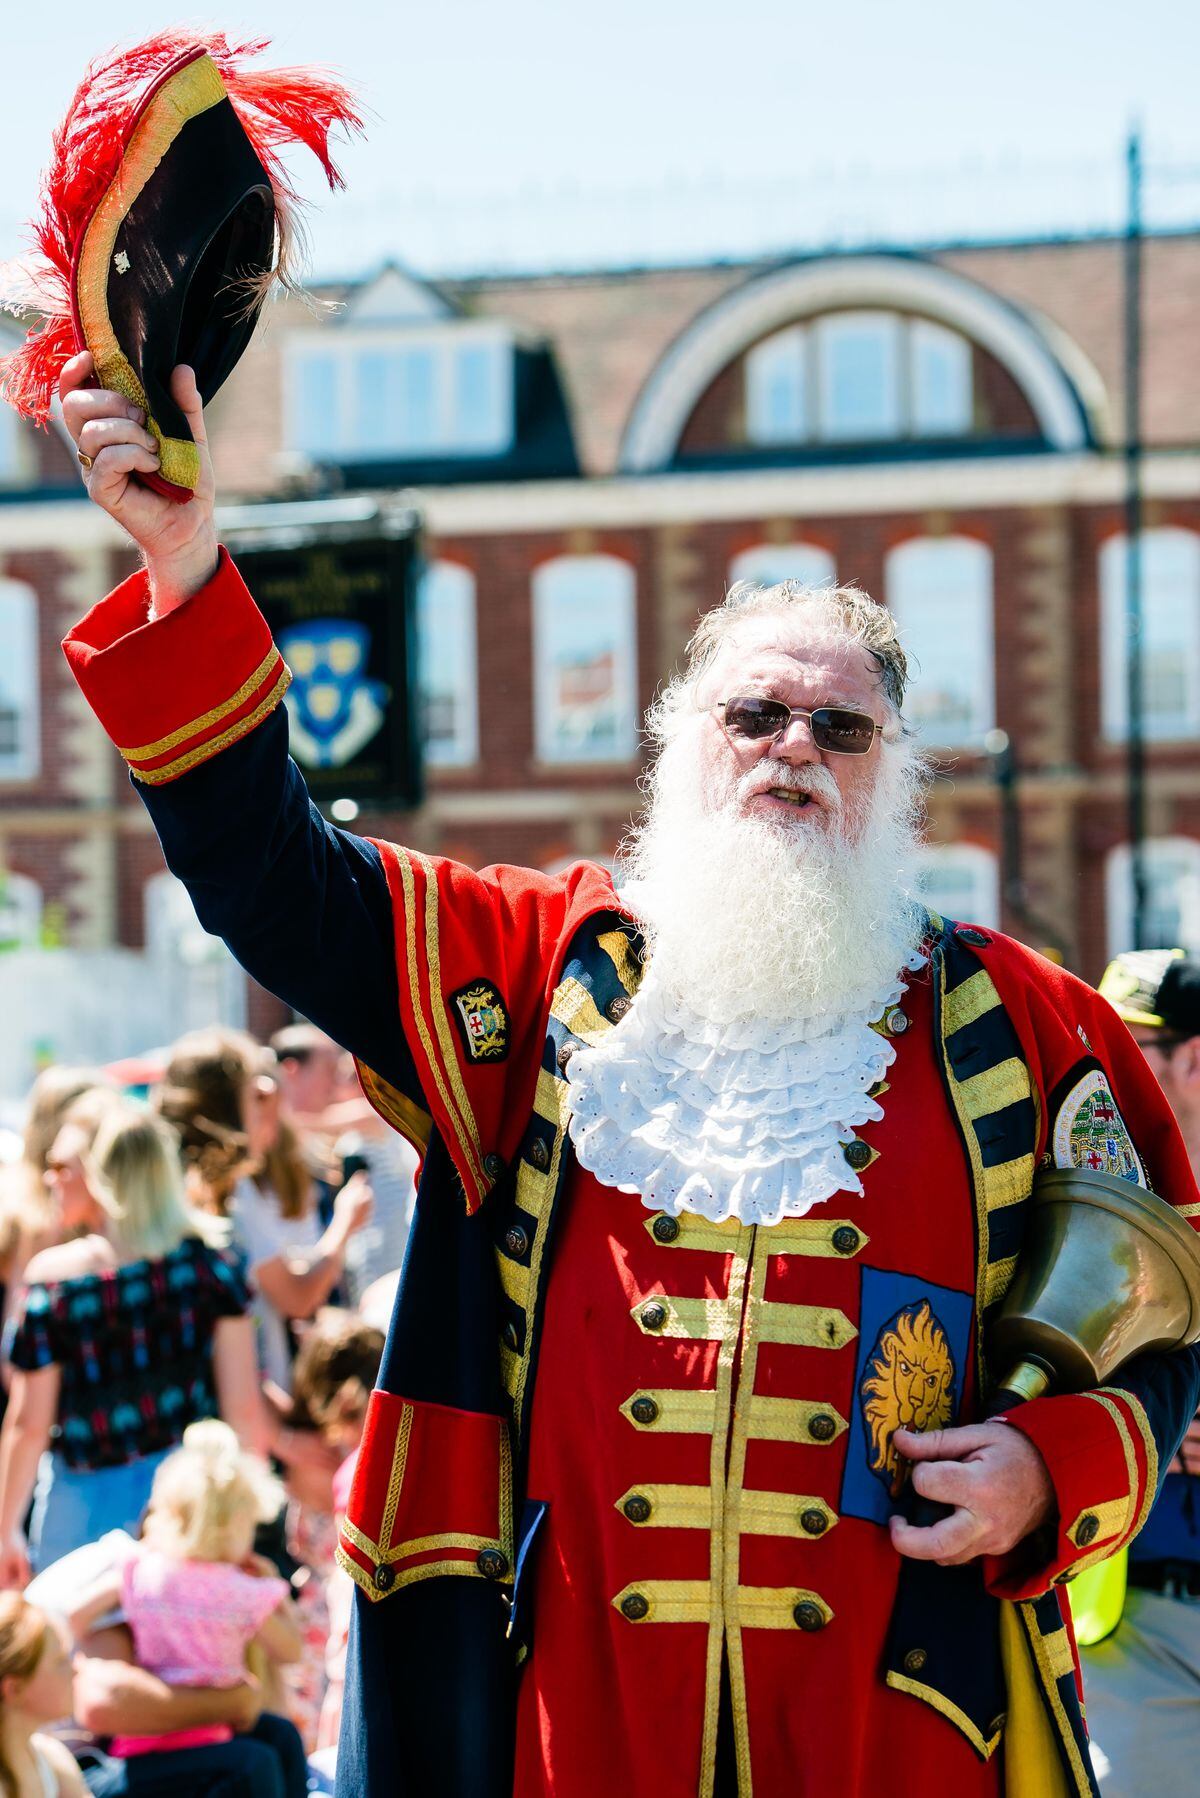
(491, 1563)
(516, 1240)
(564, 1055)
(813, 1522)
(510, 1337)
(896, 1021)
(493, 1166)
(822, 1427)
(846, 1239)
(616, 1008)
(637, 1508)
(809, 1616)
(665, 1229)
(857, 1153)
(644, 1409)
(914, 1660)
(383, 1578)
(635, 1607)
(539, 1154)
(978, 939)
(1087, 1530)
(654, 1315)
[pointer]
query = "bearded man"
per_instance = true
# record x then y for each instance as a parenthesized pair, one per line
(725, 1168)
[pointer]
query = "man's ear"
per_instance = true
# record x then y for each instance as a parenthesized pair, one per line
(1186, 1065)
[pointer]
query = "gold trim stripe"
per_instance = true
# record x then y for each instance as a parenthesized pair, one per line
(1045, 1664)
(396, 1477)
(408, 885)
(148, 751)
(407, 1576)
(995, 1088)
(395, 1107)
(1188, 1210)
(574, 1008)
(971, 1001)
(441, 1022)
(1127, 1449)
(693, 1508)
(684, 1413)
(800, 1236)
(1150, 1448)
(809, 1326)
(1008, 1183)
(769, 1607)
(514, 1278)
(204, 752)
(690, 1601)
(997, 1277)
(1110, 1517)
(619, 950)
(899, 1682)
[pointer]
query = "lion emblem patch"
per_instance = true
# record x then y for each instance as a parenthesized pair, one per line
(909, 1385)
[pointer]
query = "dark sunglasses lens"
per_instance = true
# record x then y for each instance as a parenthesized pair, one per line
(842, 733)
(755, 718)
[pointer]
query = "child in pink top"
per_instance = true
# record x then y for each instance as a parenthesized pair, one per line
(194, 1595)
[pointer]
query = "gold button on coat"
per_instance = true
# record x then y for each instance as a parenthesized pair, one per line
(644, 1409)
(809, 1616)
(654, 1315)
(822, 1427)
(665, 1229)
(635, 1607)
(637, 1508)
(914, 1660)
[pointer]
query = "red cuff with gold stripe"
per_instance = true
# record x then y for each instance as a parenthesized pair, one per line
(1103, 1465)
(173, 693)
(432, 1495)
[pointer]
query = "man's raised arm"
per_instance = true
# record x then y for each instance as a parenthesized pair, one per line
(181, 670)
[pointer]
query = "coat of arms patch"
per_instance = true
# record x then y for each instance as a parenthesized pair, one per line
(482, 1020)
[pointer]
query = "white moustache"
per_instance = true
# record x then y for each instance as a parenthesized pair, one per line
(790, 779)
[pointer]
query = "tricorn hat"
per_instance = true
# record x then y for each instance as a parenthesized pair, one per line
(165, 217)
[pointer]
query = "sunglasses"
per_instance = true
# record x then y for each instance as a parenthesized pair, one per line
(751, 719)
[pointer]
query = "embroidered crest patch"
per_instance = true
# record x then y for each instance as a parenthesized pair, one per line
(482, 1020)
(1090, 1133)
(914, 1340)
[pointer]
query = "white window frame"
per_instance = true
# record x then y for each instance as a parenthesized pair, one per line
(898, 573)
(837, 327)
(973, 862)
(20, 911)
(1118, 890)
(1181, 611)
(768, 563)
(458, 595)
(445, 344)
(802, 351)
(547, 596)
(20, 678)
(204, 983)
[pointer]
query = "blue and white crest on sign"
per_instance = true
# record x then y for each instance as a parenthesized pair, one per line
(333, 708)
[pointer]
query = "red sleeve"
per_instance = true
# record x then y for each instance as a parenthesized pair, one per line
(173, 693)
(1101, 1108)
(478, 955)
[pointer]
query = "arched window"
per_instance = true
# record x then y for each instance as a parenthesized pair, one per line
(857, 377)
(198, 979)
(20, 911)
(446, 657)
(1170, 594)
(585, 662)
(961, 881)
(19, 745)
(940, 590)
(807, 563)
(1173, 895)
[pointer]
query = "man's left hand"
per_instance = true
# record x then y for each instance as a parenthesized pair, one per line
(995, 1479)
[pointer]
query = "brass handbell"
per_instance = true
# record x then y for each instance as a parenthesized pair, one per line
(1107, 1271)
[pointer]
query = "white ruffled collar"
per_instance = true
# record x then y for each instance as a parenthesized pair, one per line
(747, 1120)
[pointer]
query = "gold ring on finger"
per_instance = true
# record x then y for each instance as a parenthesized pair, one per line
(85, 461)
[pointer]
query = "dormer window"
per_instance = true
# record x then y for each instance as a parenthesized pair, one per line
(858, 377)
(388, 393)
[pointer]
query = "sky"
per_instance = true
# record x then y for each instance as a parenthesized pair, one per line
(547, 136)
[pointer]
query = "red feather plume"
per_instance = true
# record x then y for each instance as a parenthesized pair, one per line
(277, 108)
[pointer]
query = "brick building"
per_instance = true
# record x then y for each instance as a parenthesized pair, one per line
(595, 457)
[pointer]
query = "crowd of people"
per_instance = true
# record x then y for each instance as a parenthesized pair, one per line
(196, 1279)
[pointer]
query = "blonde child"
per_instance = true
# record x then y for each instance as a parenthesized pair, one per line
(35, 1690)
(194, 1594)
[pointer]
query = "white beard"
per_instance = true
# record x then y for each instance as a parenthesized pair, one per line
(747, 1061)
(751, 917)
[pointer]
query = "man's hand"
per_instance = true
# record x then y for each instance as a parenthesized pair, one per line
(179, 541)
(1188, 1458)
(992, 1475)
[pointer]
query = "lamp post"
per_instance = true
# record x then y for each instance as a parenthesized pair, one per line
(1135, 748)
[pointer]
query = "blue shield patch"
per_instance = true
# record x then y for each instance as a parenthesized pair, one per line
(333, 708)
(913, 1343)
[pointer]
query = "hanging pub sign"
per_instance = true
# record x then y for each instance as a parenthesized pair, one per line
(336, 582)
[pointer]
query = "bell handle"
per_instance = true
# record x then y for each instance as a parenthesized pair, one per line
(1028, 1379)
